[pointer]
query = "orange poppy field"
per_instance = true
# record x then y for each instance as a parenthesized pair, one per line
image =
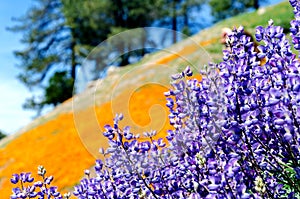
(58, 145)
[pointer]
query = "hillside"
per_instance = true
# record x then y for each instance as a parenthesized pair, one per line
(66, 140)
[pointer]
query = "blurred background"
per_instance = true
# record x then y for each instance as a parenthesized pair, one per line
(44, 42)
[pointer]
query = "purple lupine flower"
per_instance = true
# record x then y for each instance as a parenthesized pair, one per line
(26, 177)
(15, 179)
(39, 189)
(294, 29)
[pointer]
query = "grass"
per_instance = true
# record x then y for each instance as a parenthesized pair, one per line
(281, 14)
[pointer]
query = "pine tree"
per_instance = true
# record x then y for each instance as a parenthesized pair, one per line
(57, 35)
(49, 46)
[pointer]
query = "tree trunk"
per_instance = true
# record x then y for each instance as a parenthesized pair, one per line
(185, 15)
(174, 22)
(256, 4)
(73, 56)
(119, 14)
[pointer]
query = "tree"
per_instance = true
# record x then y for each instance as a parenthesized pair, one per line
(57, 37)
(227, 8)
(187, 8)
(129, 14)
(59, 88)
(49, 46)
(2, 135)
(177, 13)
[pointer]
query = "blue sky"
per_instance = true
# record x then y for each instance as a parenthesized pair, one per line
(13, 92)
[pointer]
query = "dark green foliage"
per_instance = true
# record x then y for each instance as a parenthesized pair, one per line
(220, 10)
(127, 15)
(2, 135)
(60, 88)
(176, 14)
(227, 8)
(45, 34)
(57, 35)
(49, 46)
